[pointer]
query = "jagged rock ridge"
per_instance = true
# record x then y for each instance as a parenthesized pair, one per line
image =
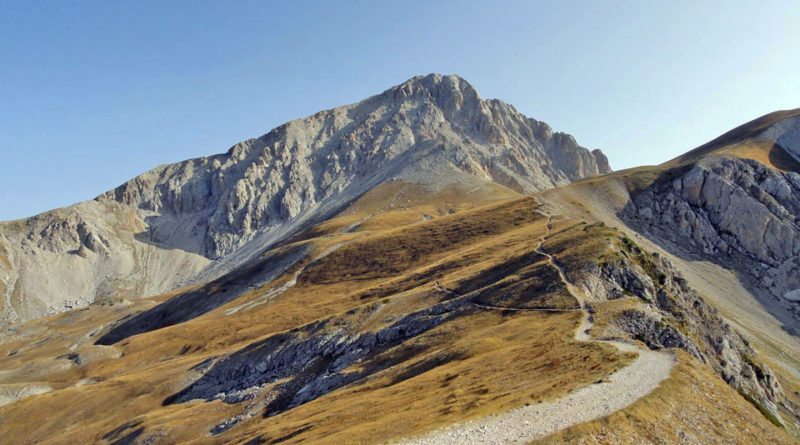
(433, 130)
(200, 218)
(679, 318)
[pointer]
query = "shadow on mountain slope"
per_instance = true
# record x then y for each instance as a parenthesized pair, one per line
(210, 296)
(316, 358)
(780, 157)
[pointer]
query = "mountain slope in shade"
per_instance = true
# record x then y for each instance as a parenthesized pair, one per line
(195, 220)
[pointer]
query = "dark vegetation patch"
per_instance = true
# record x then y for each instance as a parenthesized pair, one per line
(535, 284)
(116, 434)
(388, 255)
(130, 438)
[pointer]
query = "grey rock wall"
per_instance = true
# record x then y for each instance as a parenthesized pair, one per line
(433, 129)
(736, 212)
(676, 317)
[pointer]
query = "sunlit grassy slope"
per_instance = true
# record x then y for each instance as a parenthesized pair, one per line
(742, 142)
(488, 360)
(398, 250)
(602, 199)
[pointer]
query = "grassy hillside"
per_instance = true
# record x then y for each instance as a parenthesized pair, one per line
(491, 354)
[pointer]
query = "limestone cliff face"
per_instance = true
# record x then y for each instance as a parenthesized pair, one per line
(201, 217)
(433, 130)
(737, 212)
(71, 257)
(565, 153)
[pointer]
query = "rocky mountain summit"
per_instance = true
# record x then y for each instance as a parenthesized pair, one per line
(424, 266)
(432, 130)
(197, 219)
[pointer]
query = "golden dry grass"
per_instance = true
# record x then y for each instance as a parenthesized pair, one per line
(485, 362)
(745, 132)
(389, 253)
(490, 363)
(398, 203)
(693, 406)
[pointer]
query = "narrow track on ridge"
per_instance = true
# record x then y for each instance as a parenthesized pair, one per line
(527, 423)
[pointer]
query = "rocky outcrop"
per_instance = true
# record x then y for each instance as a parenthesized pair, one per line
(565, 153)
(295, 367)
(91, 251)
(676, 317)
(736, 212)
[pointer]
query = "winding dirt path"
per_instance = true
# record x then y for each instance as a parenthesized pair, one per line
(527, 423)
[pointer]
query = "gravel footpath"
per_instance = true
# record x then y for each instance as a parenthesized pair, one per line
(522, 425)
(527, 423)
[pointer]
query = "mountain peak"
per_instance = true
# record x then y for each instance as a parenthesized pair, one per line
(447, 91)
(433, 132)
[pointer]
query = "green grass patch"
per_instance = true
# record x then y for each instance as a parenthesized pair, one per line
(771, 417)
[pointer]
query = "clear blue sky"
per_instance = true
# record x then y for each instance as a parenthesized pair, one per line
(94, 93)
